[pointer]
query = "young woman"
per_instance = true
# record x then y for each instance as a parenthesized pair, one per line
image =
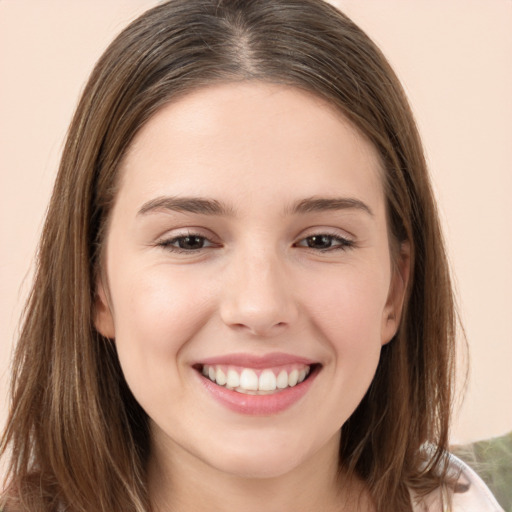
(242, 298)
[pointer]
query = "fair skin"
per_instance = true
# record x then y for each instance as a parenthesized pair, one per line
(267, 271)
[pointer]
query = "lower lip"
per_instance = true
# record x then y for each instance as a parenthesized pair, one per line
(258, 405)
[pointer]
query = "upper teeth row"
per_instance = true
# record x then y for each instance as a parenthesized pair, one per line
(247, 379)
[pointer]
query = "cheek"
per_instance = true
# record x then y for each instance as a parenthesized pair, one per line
(347, 306)
(154, 319)
(154, 309)
(348, 318)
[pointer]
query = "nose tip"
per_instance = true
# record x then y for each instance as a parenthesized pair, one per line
(259, 303)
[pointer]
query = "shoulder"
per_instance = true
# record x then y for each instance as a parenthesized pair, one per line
(469, 494)
(492, 460)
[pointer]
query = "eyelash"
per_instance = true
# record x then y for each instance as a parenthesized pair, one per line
(343, 243)
(167, 244)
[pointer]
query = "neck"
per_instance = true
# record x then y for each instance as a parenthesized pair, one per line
(181, 482)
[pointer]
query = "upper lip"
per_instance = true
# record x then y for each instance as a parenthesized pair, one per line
(256, 361)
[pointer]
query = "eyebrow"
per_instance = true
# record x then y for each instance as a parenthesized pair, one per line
(320, 204)
(198, 205)
(206, 206)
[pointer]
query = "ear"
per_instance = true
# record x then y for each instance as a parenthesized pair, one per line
(103, 319)
(397, 290)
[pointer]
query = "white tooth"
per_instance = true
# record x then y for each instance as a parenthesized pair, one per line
(246, 391)
(249, 380)
(211, 373)
(233, 379)
(205, 370)
(282, 379)
(267, 381)
(220, 377)
(293, 377)
(302, 375)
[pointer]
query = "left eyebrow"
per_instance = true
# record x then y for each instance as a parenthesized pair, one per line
(320, 204)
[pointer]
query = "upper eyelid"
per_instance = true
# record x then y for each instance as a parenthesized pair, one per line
(171, 234)
(305, 233)
(168, 241)
(332, 235)
(343, 242)
(334, 232)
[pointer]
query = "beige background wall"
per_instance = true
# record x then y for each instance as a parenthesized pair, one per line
(455, 60)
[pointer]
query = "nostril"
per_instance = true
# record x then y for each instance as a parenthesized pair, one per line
(260, 328)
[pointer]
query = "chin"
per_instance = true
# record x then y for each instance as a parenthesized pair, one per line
(260, 458)
(258, 466)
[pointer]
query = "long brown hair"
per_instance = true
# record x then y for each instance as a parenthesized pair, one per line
(76, 436)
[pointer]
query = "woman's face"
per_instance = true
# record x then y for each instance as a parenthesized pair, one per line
(248, 242)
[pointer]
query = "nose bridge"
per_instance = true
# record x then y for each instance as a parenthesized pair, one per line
(258, 298)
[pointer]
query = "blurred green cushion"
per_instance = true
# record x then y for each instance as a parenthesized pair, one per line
(491, 459)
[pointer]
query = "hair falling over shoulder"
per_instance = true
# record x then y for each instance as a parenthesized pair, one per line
(76, 439)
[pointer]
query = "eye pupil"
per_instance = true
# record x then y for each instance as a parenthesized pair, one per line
(320, 241)
(191, 242)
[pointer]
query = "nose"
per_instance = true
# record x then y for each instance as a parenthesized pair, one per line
(258, 298)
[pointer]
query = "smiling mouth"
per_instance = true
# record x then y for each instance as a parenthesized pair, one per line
(251, 381)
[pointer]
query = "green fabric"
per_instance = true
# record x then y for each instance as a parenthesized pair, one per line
(492, 461)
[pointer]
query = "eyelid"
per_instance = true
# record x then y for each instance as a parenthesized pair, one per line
(343, 243)
(346, 241)
(330, 231)
(166, 241)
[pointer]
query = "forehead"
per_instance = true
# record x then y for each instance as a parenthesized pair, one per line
(250, 138)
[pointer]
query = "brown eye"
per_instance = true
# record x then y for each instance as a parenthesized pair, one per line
(319, 241)
(190, 243)
(325, 242)
(186, 243)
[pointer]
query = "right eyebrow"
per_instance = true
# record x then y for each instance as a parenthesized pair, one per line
(204, 206)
